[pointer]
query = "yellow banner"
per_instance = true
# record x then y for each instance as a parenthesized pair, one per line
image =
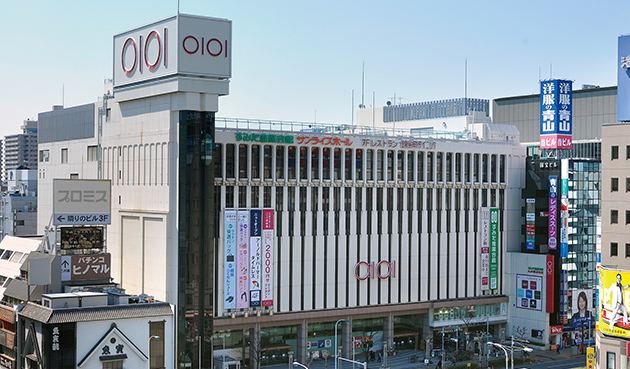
(614, 302)
(590, 358)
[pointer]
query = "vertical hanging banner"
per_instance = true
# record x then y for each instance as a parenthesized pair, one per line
(494, 248)
(255, 254)
(564, 208)
(267, 257)
(242, 260)
(229, 287)
(485, 249)
(564, 291)
(553, 210)
(550, 275)
(530, 224)
(556, 111)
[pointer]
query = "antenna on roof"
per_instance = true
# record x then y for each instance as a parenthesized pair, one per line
(363, 86)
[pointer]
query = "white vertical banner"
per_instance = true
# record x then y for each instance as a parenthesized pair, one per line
(267, 257)
(242, 259)
(229, 286)
(485, 249)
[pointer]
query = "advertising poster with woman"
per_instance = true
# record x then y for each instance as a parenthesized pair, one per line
(582, 307)
(614, 296)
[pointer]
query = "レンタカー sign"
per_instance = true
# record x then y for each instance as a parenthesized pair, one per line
(81, 202)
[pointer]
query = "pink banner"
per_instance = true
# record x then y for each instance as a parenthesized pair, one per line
(267, 258)
(242, 260)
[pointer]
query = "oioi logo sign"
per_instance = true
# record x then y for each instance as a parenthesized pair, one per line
(134, 54)
(183, 44)
(383, 270)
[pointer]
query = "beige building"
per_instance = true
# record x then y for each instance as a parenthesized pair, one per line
(613, 350)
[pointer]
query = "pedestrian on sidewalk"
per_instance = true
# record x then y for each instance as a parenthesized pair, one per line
(558, 349)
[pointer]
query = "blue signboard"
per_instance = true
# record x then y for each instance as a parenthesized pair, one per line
(623, 79)
(556, 110)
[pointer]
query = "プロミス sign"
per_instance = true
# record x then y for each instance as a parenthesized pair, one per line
(81, 202)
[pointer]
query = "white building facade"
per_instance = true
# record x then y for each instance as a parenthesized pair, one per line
(382, 231)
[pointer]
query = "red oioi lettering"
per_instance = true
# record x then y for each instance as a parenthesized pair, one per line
(214, 47)
(364, 270)
(139, 52)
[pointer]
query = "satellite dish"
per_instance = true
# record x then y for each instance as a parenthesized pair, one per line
(389, 103)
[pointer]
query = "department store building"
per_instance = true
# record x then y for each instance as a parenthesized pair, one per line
(267, 234)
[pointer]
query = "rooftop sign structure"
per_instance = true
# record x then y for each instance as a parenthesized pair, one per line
(182, 45)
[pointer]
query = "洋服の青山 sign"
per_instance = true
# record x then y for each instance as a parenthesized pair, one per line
(382, 270)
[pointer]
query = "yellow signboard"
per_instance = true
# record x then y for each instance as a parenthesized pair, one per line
(614, 300)
(590, 358)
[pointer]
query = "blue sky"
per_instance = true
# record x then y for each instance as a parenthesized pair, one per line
(300, 60)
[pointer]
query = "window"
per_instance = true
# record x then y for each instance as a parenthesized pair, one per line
(369, 164)
(74, 175)
(627, 216)
(113, 364)
(614, 152)
(44, 156)
(627, 184)
(628, 250)
(157, 344)
(303, 163)
(291, 156)
(17, 256)
(255, 164)
(614, 184)
(627, 152)
(337, 164)
(64, 156)
(279, 162)
(242, 162)
(229, 161)
(315, 163)
(614, 217)
(218, 160)
(610, 360)
(92, 153)
(267, 152)
(359, 164)
(438, 166)
(613, 249)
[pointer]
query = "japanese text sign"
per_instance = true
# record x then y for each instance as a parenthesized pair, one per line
(556, 109)
(81, 202)
(85, 267)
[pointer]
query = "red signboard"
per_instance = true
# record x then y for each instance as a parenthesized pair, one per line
(556, 329)
(549, 272)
